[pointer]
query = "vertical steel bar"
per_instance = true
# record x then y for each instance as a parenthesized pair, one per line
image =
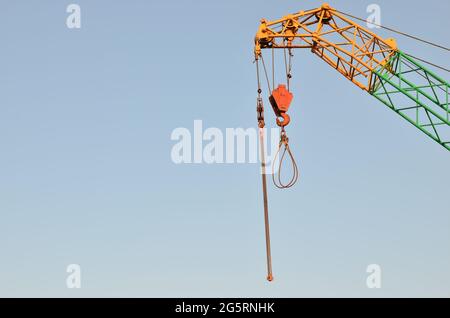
(266, 205)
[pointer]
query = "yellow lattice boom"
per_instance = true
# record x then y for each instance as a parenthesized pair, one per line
(348, 47)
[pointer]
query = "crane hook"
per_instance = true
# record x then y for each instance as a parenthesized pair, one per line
(286, 120)
(281, 100)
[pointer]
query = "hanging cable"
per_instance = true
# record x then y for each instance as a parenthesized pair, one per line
(284, 146)
(273, 68)
(396, 31)
(265, 72)
(289, 75)
(259, 102)
(288, 67)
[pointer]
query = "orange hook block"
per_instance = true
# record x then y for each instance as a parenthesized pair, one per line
(280, 100)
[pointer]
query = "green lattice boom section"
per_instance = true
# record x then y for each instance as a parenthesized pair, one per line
(416, 94)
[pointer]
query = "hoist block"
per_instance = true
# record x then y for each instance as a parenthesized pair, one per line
(280, 100)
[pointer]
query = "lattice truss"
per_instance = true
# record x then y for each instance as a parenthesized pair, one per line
(349, 48)
(416, 94)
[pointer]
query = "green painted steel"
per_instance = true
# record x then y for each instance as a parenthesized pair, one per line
(416, 94)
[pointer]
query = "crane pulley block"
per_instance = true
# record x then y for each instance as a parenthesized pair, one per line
(281, 100)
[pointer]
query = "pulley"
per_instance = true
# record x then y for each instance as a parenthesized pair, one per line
(281, 100)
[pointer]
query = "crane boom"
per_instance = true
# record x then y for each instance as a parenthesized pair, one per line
(372, 63)
(416, 94)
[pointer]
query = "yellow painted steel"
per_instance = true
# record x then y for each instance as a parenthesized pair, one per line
(351, 49)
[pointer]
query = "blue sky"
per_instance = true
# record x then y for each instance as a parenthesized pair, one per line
(86, 175)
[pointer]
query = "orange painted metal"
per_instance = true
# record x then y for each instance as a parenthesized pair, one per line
(354, 51)
(280, 100)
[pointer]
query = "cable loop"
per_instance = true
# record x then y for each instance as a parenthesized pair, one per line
(285, 149)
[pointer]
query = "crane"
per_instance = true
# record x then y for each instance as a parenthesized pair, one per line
(374, 64)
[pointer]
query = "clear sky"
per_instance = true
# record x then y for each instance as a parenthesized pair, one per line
(86, 175)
